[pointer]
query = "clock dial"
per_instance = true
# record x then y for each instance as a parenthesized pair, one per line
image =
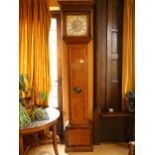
(77, 25)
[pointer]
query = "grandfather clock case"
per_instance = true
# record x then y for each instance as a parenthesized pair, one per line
(77, 30)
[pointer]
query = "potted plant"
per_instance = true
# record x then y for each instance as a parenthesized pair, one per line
(28, 111)
(38, 113)
(25, 92)
(24, 118)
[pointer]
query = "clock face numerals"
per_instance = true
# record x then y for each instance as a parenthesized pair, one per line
(77, 25)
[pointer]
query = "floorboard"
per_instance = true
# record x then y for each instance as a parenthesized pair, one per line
(102, 149)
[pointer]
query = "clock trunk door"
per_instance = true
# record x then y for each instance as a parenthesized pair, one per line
(78, 84)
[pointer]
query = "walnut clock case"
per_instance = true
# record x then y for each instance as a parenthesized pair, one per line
(76, 18)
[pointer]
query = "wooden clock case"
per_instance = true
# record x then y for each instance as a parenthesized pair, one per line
(78, 130)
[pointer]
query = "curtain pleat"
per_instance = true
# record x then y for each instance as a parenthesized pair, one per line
(34, 27)
(128, 64)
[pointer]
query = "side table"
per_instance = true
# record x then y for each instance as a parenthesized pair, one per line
(38, 126)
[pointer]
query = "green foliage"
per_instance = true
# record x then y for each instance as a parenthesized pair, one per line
(21, 82)
(26, 98)
(24, 119)
(25, 88)
(38, 113)
(26, 91)
(42, 95)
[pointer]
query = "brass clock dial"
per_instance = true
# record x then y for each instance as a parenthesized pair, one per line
(77, 25)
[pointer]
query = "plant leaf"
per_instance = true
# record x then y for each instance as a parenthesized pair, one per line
(42, 95)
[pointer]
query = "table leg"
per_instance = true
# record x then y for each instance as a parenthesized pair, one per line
(21, 147)
(131, 148)
(55, 140)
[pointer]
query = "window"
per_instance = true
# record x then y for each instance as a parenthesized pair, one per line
(53, 98)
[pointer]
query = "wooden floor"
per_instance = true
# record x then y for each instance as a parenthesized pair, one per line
(103, 149)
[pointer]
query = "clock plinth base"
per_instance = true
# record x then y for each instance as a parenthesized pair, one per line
(78, 138)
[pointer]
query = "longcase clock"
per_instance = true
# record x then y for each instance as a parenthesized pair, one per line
(76, 18)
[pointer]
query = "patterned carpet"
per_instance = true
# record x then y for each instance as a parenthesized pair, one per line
(103, 149)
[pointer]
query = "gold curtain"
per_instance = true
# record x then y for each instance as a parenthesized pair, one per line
(34, 27)
(128, 64)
